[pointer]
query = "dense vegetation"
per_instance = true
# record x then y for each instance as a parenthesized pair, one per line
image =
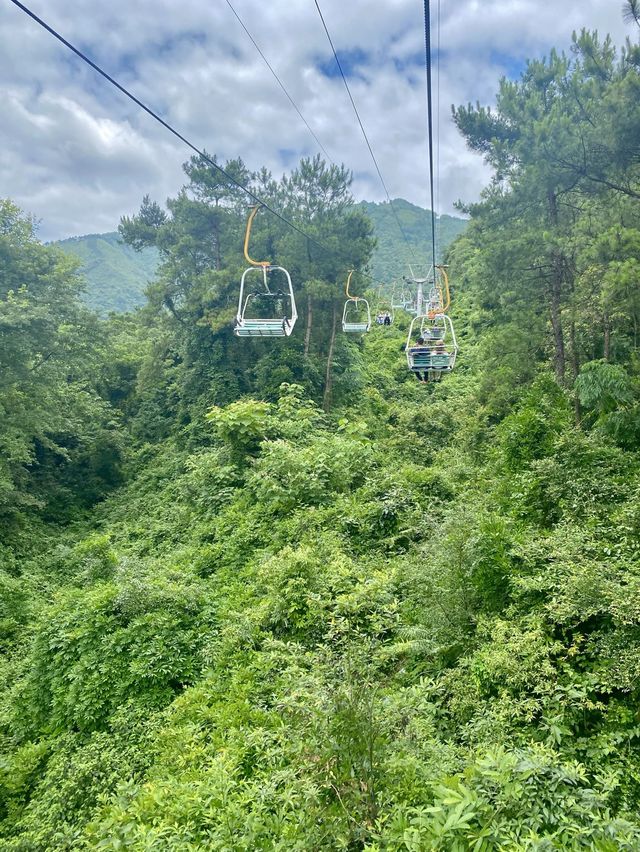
(277, 594)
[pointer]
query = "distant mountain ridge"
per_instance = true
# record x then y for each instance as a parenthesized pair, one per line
(392, 255)
(117, 276)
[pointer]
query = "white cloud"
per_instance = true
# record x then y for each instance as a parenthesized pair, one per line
(78, 154)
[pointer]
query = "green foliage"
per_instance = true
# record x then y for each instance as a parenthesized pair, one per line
(603, 387)
(52, 787)
(530, 432)
(242, 425)
(389, 261)
(287, 477)
(519, 801)
(138, 636)
(52, 418)
(607, 393)
(14, 609)
(330, 608)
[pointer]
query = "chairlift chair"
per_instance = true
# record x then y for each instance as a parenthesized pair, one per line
(402, 300)
(439, 331)
(356, 315)
(397, 302)
(279, 323)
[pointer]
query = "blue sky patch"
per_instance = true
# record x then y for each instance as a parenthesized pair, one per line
(288, 156)
(513, 66)
(350, 60)
(409, 63)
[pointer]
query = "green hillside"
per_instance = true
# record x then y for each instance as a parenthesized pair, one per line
(287, 595)
(116, 274)
(392, 257)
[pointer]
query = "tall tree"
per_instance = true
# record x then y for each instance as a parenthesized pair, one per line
(555, 145)
(200, 240)
(51, 356)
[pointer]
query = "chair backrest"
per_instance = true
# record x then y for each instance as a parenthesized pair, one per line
(441, 360)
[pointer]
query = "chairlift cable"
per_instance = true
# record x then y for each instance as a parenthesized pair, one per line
(438, 222)
(427, 42)
(175, 132)
(428, 357)
(279, 81)
(364, 133)
(158, 118)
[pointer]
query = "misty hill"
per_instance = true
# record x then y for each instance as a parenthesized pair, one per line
(116, 274)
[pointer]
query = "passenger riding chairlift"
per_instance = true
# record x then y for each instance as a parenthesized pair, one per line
(271, 326)
(356, 316)
(383, 313)
(385, 309)
(438, 353)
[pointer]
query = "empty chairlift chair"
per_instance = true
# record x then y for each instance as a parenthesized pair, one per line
(263, 311)
(398, 299)
(356, 316)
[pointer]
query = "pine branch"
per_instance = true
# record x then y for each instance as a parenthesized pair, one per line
(631, 12)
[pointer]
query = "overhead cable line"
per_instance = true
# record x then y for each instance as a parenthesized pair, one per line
(279, 81)
(438, 222)
(178, 135)
(164, 123)
(364, 133)
(427, 43)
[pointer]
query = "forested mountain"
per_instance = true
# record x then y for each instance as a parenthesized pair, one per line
(116, 275)
(403, 232)
(277, 594)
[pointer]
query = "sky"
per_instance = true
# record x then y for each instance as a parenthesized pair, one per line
(78, 155)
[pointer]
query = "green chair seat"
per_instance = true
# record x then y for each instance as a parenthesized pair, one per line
(260, 328)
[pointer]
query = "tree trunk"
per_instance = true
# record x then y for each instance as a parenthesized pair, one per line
(555, 294)
(307, 336)
(607, 337)
(216, 244)
(556, 323)
(575, 369)
(328, 381)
